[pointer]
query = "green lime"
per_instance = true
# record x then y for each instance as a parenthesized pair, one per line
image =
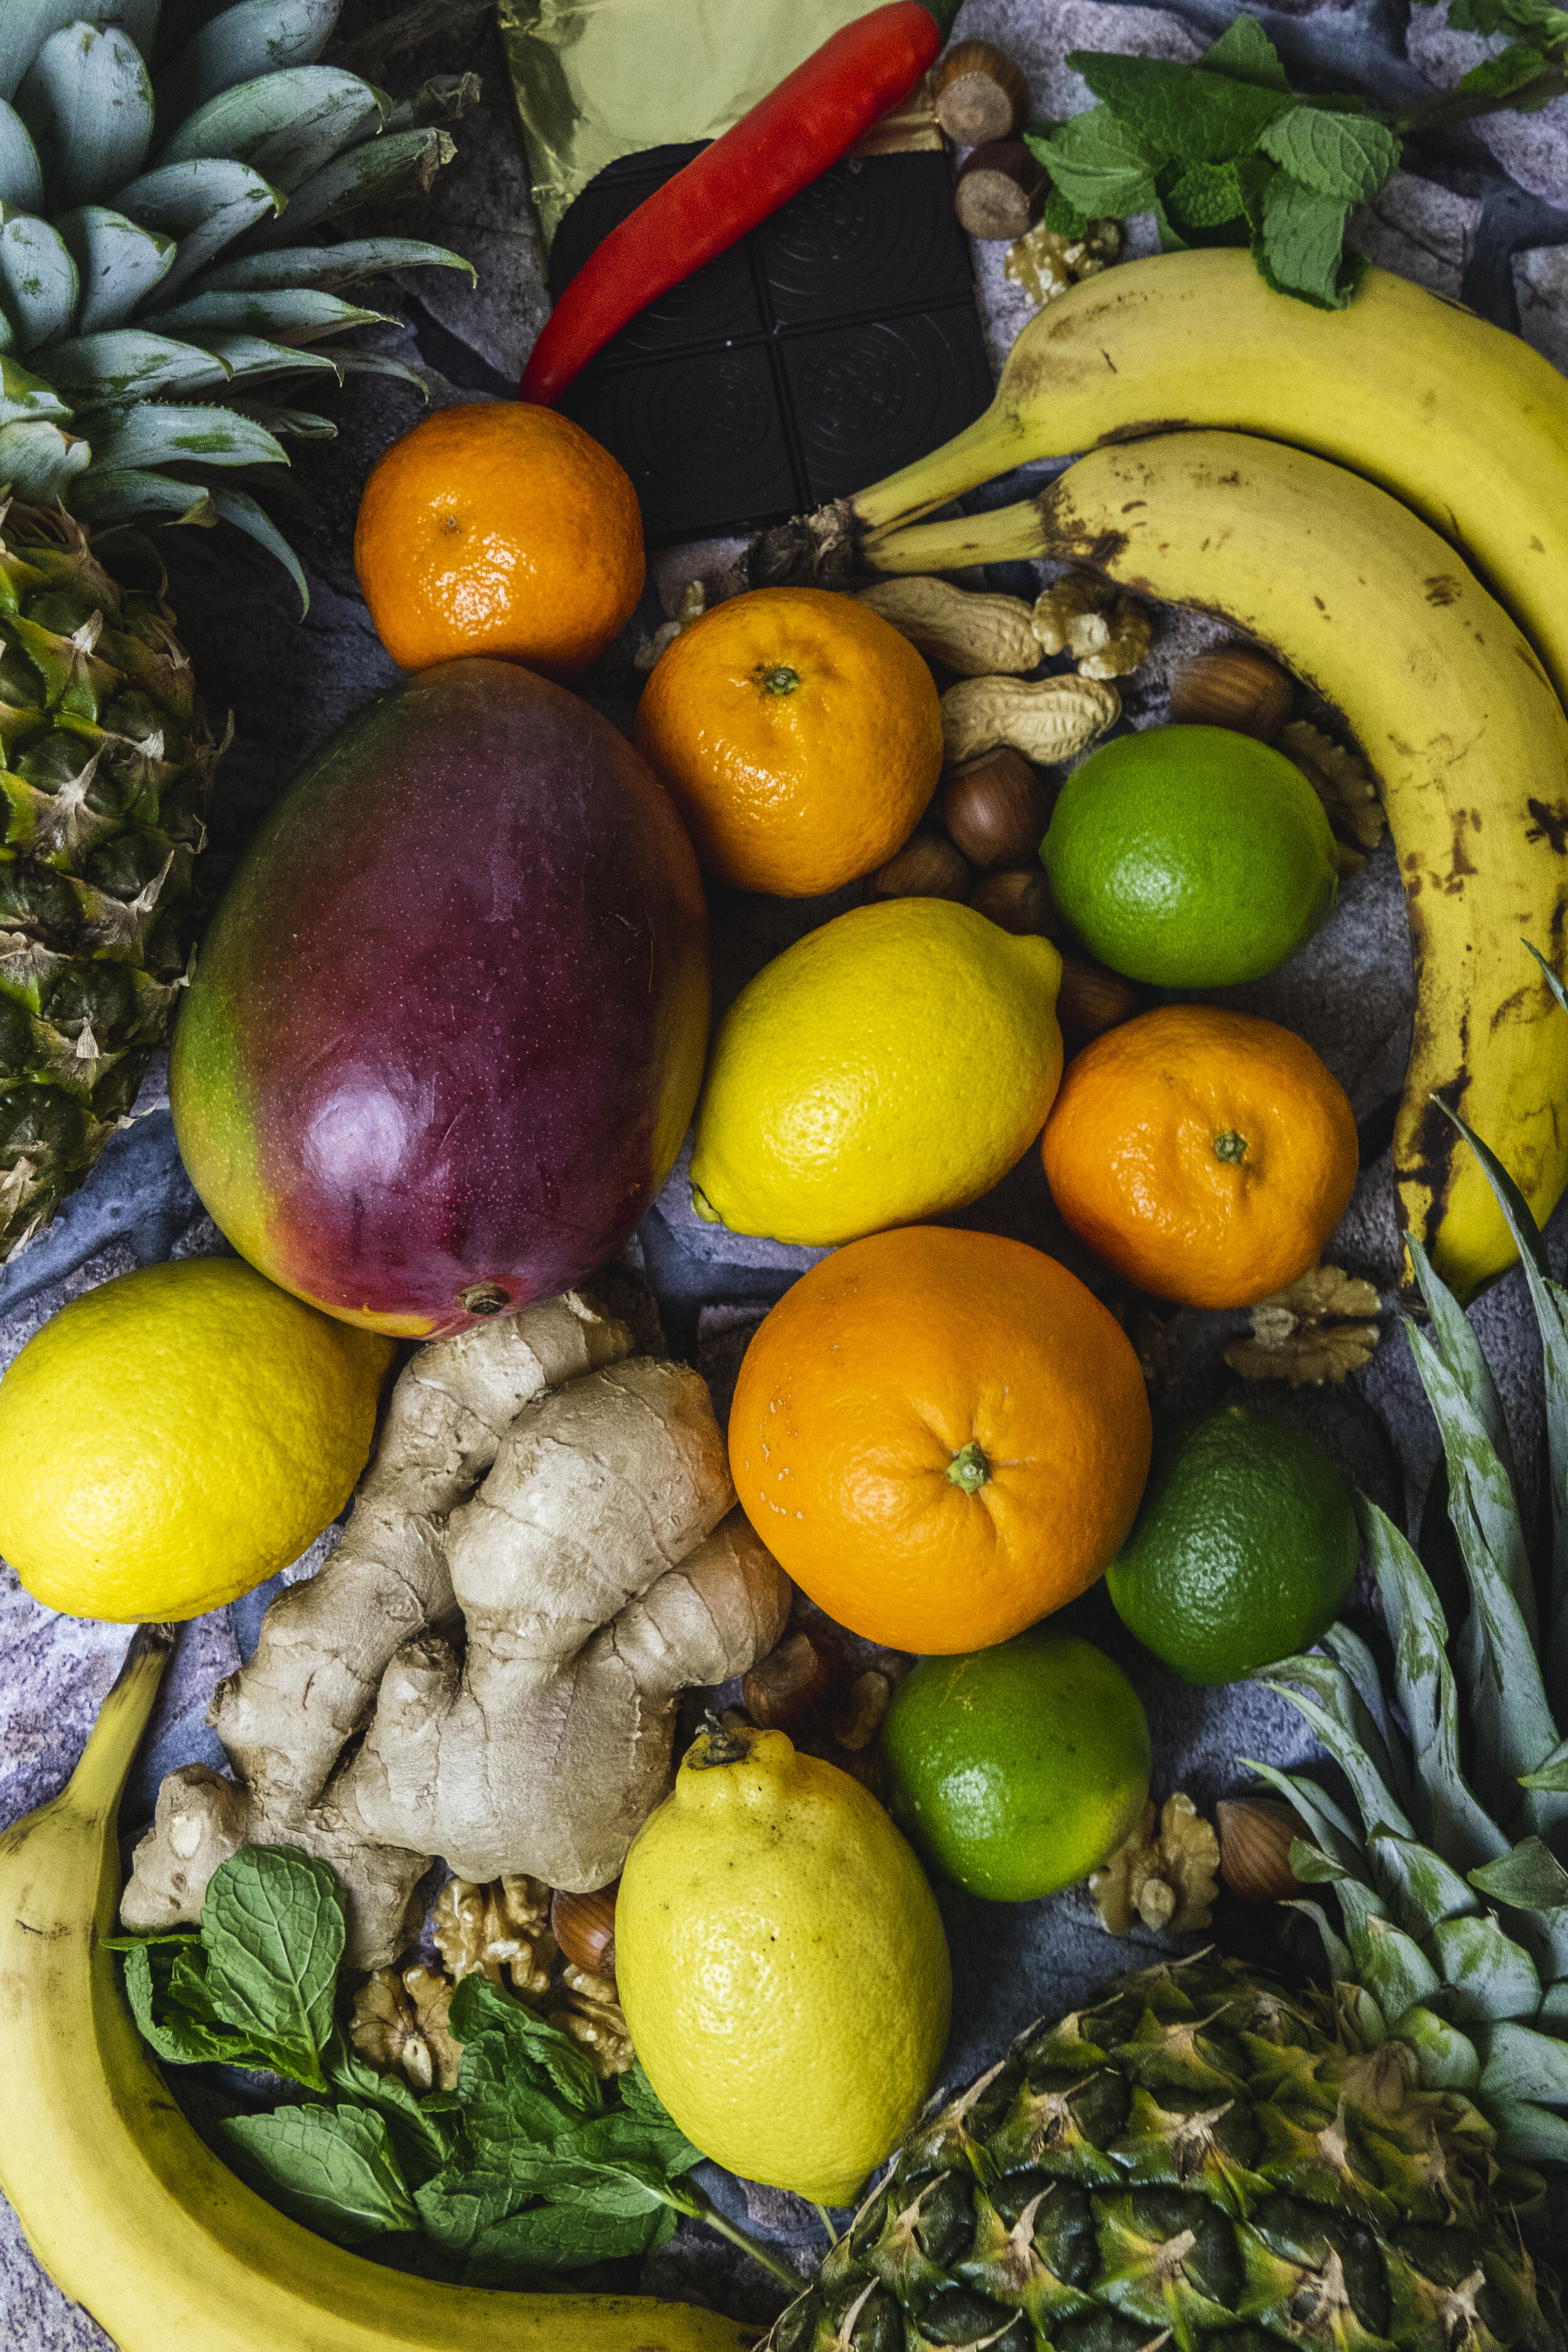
(1191, 857)
(1244, 1548)
(1014, 1771)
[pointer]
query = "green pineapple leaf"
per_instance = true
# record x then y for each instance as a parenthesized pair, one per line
(238, 508)
(1332, 1827)
(39, 459)
(130, 364)
(118, 263)
(1529, 1877)
(21, 175)
(383, 170)
(38, 281)
(1359, 1667)
(87, 105)
(124, 496)
(206, 203)
(284, 125)
(329, 266)
(164, 433)
(291, 312)
(262, 36)
(250, 359)
(1338, 1717)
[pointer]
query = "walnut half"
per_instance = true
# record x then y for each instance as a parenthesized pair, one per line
(1106, 630)
(398, 2025)
(501, 1928)
(1321, 1328)
(1162, 1874)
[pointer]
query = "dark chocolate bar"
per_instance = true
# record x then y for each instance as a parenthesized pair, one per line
(835, 344)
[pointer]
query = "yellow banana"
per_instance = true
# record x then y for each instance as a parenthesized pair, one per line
(129, 2212)
(1457, 719)
(1462, 421)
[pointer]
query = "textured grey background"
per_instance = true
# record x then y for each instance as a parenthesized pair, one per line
(1484, 217)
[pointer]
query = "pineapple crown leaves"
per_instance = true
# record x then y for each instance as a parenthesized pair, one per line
(1453, 1889)
(165, 175)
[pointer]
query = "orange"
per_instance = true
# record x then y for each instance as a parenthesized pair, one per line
(800, 735)
(499, 528)
(941, 1435)
(1206, 1155)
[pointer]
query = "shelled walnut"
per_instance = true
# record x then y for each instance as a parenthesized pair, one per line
(502, 1929)
(1045, 265)
(1343, 784)
(591, 2014)
(1323, 1328)
(1106, 630)
(1162, 1874)
(398, 2025)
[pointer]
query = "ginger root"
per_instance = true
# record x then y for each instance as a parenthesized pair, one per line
(567, 1501)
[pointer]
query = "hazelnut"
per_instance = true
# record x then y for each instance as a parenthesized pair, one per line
(585, 1927)
(980, 94)
(797, 1688)
(1018, 900)
(1238, 688)
(1255, 1839)
(996, 808)
(926, 868)
(1092, 999)
(1000, 191)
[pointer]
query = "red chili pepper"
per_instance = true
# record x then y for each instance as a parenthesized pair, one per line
(814, 116)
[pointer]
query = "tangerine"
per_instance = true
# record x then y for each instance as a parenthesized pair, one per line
(498, 527)
(1206, 1155)
(800, 736)
(942, 1436)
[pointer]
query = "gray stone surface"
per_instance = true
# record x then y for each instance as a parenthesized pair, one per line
(1460, 225)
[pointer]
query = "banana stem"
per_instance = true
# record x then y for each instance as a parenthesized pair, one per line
(993, 444)
(112, 1742)
(1005, 535)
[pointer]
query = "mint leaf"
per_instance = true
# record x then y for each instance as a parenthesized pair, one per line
(1180, 110)
(1207, 196)
(1101, 167)
(1244, 52)
(331, 2168)
(1301, 249)
(1346, 156)
(165, 1983)
(546, 2238)
(540, 2054)
(272, 1928)
(462, 2202)
(1061, 217)
(425, 2131)
(639, 2099)
(1495, 77)
(1537, 20)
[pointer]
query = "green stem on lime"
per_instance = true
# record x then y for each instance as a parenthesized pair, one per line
(691, 2201)
(781, 681)
(1231, 1146)
(968, 1468)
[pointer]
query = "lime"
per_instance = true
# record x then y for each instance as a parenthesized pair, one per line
(1014, 1771)
(1244, 1548)
(1191, 857)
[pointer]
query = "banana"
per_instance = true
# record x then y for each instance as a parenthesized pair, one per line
(129, 2212)
(1462, 421)
(1454, 714)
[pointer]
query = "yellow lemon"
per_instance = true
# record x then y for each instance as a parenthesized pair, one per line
(170, 1439)
(891, 1067)
(782, 1965)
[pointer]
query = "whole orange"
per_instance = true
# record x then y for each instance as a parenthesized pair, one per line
(800, 736)
(1206, 1155)
(941, 1435)
(499, 528)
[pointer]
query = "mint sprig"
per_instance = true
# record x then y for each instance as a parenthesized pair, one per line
(531, 2167)
(1224, 153)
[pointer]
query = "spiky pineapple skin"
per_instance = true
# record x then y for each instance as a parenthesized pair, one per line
(1202, 2159)
(106, 764)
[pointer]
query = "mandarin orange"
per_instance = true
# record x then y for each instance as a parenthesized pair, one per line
(1206, 1155)
(800, 736)
(499, 528)
(941, 1435)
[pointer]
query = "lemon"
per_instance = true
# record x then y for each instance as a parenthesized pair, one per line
(172, 1438)
(782, 1966)
(892, 1066)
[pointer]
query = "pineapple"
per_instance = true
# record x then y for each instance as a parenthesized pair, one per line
(165, 178)
(1207, 2157)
